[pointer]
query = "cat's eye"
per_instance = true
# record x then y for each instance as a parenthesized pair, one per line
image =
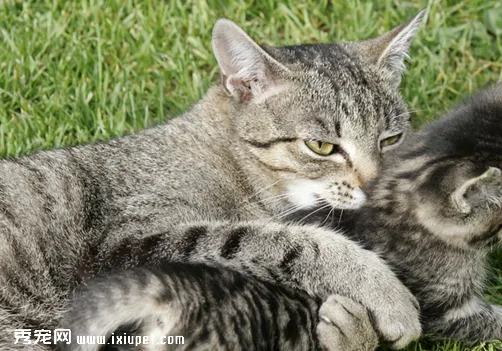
(390, 140)
(321, 148)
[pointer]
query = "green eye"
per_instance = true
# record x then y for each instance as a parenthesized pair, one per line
(390, 141)
(321, 148)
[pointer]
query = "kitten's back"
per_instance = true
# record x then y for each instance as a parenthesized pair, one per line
(213, 308)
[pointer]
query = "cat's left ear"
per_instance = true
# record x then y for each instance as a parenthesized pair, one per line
(248, 73)
(478, 191)
(391, 49)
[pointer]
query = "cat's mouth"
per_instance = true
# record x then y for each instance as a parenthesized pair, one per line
(352, 201)
(308, 195)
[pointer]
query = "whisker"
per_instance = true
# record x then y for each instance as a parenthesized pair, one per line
(272, 197)
(340, 219)
(311, 213)
(292, 210)
(329, 214)
(269, 200)
(289, 211)
(261, 191)
(280, 214)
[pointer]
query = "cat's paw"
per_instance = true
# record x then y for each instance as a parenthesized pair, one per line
(344, 325)
(395, 315)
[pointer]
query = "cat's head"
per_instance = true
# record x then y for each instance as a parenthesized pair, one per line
(311, 122)
(449, 178)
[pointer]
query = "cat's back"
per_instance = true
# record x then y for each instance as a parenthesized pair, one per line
(181, 171)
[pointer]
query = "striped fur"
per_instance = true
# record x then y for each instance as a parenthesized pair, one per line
(214, 308)
(439, 248)
(216, 183)
(440, 256)
(295, 256)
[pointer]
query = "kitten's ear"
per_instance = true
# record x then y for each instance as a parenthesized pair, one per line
(247, 71)
(479, 190)
(391, 49)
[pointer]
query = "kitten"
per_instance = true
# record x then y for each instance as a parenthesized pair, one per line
(213, 308)
(436, 212)
(288, 128)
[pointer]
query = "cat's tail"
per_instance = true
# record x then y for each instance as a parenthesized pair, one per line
(140, 297)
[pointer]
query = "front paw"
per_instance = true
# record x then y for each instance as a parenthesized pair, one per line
(395, 315)
(344, 325)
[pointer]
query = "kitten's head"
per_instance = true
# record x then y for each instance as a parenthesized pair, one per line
(449, 176)
(312, 121)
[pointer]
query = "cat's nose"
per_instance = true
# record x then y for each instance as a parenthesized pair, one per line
(360, 181)
(363, 179)
(365, 174)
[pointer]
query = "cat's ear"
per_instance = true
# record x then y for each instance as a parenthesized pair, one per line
(479, 190)
(248, 73)
(390, 50)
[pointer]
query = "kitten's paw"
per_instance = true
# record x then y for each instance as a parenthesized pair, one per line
(344, 325)
(395, 315)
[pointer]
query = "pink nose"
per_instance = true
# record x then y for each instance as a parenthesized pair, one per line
(362, 179)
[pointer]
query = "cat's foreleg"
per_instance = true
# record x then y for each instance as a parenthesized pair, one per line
(319, 261)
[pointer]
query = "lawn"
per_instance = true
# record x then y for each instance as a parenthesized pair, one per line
(73, 72)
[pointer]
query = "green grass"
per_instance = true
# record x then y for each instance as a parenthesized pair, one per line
(78, 71)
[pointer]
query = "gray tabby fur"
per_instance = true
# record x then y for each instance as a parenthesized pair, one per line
(205, 182)
(434, 214)
(214, 308)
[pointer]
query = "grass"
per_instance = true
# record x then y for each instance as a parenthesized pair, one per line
(73, 72)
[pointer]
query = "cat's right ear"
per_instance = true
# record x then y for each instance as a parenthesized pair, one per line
(390, 50)
(248, 73)
(478, 191)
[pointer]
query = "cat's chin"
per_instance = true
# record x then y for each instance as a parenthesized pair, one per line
(359, 197)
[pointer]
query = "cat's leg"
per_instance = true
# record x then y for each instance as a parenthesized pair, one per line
(474, 321)
(344, 325)
(316, 260)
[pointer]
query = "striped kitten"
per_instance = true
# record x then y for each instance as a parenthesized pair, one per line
(213, 308)
(436, 212)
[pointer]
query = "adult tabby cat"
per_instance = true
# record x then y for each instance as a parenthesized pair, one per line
(434, 213)
(288, 128)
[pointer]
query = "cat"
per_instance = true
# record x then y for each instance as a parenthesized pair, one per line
(434, 213)
(288, 128)
(213, 308)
